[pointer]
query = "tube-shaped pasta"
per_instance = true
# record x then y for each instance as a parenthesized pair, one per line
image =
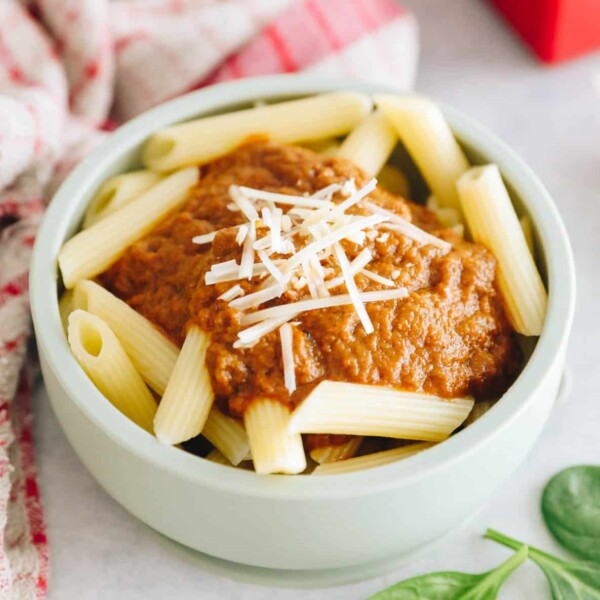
(152, 353)
(65, 307)
(327, 454)
(356, 409)
(102, 357)
(308, 119)
(216, 457)
(377, 459)
(274, 449)
(185, 405)
(527, 228)
(328, 147)
(493, 222)
(370, 143)
(394, 180)
(227, 435)
(448, 217)
(430, 142)
(92, 250)
(480, 408)
(118, 191)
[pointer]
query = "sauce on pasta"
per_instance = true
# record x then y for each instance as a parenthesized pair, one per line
(450, 337)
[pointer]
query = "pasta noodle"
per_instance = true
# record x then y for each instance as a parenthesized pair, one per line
(448, 217)
(216, 457)
(308, 119)
(370, 143)
(118, 191)
(527, 228)
(328, 454)
(369, 461)
(337, 407)
(152, 353)
(394, 180)
(328, 147)
(131, 361)
(102, 357)
(480, 408)
(430, 142)
(494, 223)
(185, 405)
(227, 435)
(274, 449)
(65, 307)
(94, 249)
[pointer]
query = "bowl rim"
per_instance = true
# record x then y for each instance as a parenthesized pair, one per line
(67, 209)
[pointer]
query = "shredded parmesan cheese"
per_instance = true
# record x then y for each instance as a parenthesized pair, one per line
(310, 202)
(363, 259)
(248, 337)
(243, 203)
(289, 311)
(247, 262)
(207, 238)
(308, 235)
(352, 289)
(256, 298)
(287, 356)
(232, 293)
(241, 234)
(270, 265)
(406, 228)
(378, 278)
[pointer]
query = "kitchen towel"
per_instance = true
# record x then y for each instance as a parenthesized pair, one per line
(72, 70)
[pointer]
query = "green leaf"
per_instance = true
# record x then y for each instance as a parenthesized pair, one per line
(452, 585)
(568, 580)
(571, 509)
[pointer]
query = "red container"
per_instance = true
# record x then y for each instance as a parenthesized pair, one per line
(555, 29)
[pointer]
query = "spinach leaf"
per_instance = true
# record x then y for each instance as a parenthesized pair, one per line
(452, 585)
(568, 580)
(571, 509)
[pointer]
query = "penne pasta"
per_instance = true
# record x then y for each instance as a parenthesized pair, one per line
(227, 435)
(327, 147)
(308, 119)
(216, 457)
(370, 461)
(102, 357)
(185, 405)
(527, 228)
(480, 408)
(370, 143)
(152, 353)
(430, 142)
(394, 180)
(448, 217)
(65, 307)
(274, 448)
(337, 407)
(91, 251)
(118, 191)
(328, 454)
(493, 222)
(283, 257)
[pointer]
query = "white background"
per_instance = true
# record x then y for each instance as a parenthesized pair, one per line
(550, 116)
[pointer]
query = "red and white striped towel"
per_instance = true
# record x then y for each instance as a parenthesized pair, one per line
(70, 70)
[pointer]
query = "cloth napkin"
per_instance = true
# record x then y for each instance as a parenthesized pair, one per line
(71, 70)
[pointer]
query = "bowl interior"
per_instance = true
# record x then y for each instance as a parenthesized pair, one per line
(121, 152)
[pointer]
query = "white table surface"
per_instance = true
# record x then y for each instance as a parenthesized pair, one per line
(551, 116)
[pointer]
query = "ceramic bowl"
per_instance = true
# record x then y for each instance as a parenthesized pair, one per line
(302, 522)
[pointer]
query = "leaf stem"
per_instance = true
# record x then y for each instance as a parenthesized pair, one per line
(508, 566)
(492, 534)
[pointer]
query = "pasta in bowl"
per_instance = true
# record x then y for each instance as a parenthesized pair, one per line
(268, 277)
